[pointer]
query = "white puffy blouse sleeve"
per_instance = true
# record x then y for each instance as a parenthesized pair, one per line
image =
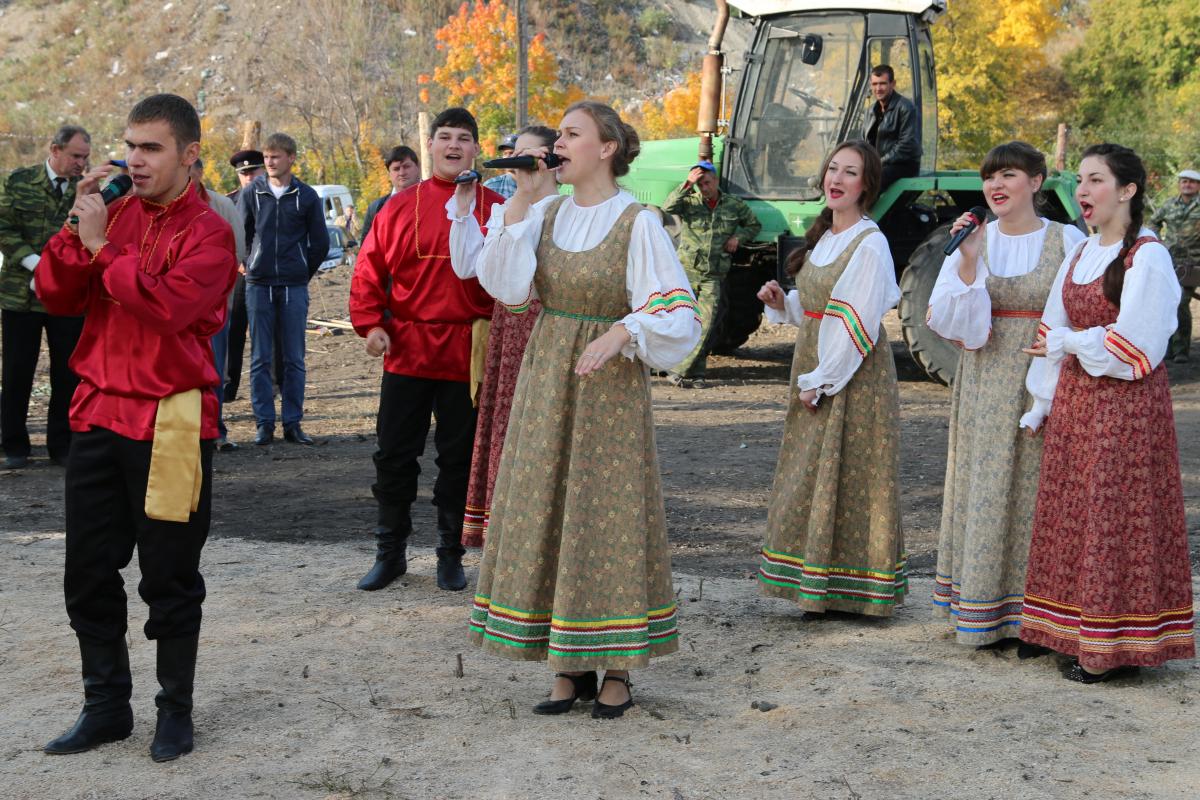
(1136, 343)
(957, 312)
(466, 237)
(664, 323)
(793, 310)
(508, 258)
(850, 328)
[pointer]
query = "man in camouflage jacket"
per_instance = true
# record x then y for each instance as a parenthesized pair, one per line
(1179, 223)
(33, 206)
(715, 224)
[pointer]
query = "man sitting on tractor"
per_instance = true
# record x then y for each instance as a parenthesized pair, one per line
(892, 126)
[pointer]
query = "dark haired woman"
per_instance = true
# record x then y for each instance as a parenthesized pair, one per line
(833, 524)
(1108, 579)
(988, 299)
(576, 568)
(505, 342)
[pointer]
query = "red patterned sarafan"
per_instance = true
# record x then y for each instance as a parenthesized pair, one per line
(1109, 579)
(506, 348)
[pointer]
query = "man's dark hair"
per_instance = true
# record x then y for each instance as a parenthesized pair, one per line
(401, 153)
(64, 135)
(884, 69)
(172, 109)
(281, 143)
(455, 118)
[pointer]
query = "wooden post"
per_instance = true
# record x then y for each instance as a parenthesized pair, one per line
(1060, 147)
(423, 139)
(251, 134)
(522, 68)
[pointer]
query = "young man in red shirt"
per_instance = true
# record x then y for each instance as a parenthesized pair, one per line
(150, 272)
(415, 312)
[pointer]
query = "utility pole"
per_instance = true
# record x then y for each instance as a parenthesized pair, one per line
(522, 68)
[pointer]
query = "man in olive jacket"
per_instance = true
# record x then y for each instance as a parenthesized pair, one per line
(715, 224)
(33, 206)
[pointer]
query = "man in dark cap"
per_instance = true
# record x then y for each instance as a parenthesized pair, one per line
(504, 184)
(249, 165)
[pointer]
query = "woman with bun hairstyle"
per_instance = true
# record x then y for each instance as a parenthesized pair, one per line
(1109, 580)
(834, 540)
(506, 339)
(988, 300)
(576, 567)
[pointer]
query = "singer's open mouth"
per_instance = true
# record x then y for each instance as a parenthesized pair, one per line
(999, 199)
(1086, 208)
(835, 193)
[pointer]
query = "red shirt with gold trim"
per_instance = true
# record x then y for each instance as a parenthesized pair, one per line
(404, 284)
(153, 296)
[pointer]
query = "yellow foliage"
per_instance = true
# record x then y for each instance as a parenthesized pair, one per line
(674, 114)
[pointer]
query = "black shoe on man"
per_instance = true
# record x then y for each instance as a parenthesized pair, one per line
(107, 685)
(265, 435)
(295, 435)
(176, 663)
(390, 558)
(16, 462)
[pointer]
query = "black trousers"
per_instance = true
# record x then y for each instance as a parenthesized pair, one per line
(239, 324)
(896, 170)
(21, 346)
(106, 521)
(405, 406)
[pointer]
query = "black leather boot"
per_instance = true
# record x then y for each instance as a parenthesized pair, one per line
(450, 576)
(107, 684)
(176, 674)
(391, 538)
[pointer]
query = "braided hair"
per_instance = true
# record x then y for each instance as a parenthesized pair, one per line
(872, 180)
(1127, 168)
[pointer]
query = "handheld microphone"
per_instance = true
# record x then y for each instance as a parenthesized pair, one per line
(523, 162)
(468, 176)
(978, 215)
(117, 187)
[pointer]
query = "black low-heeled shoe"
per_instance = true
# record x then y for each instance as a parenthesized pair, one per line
(1077, 673)
(1026, 651)
(585, 689)
(604, 710)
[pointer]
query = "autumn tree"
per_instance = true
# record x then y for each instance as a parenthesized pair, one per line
(673, 115)
(995, 82)
(479, 43)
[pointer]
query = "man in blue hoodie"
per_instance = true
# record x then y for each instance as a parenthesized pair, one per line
(287, 239)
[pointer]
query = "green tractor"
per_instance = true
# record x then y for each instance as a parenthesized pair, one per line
(804, 87)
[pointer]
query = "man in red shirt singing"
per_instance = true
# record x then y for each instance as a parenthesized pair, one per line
(151, 273)
(412, 309)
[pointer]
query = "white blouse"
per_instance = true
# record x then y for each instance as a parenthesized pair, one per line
(963, 313)
(861, 296)
(664, 324)
(1127, 350)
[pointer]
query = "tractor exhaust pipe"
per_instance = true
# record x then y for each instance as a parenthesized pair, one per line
(710, 83)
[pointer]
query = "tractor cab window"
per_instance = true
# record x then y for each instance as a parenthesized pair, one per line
(804, 76)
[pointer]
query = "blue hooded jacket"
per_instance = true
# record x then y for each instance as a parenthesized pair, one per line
(286, 237)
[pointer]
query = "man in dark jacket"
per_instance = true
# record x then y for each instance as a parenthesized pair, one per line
(288, 240)
(404, 170)
(891, 124)
(33, 205)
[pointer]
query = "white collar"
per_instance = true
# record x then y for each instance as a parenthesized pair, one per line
(52, 175)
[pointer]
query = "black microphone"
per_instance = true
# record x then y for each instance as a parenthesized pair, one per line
(523, 162)
(468, 176)
(117, 187)
(978, 215)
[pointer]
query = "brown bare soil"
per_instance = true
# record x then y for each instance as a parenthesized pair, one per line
(308, 688)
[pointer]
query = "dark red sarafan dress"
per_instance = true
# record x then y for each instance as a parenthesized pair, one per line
(1109, 580)
(506, 348)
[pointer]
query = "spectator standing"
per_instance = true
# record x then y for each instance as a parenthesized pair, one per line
(33, 205)
(504, 184)
(288, 240)
(404, 170)
(1179, 223)
(249, 165)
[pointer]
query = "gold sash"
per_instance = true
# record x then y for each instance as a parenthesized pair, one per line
(173, 487)
(480, 329)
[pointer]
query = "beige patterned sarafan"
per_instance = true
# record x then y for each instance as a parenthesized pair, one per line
(992, 464)
(576, 567)
(834, 539)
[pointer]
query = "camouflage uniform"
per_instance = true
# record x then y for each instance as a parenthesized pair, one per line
(702, 253)
(1179, 222)
(31, 211)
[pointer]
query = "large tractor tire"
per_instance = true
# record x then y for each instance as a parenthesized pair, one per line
(743, 309)
(935, 355)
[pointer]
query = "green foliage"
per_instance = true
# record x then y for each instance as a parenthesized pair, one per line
(1137, 79)
(654, 21)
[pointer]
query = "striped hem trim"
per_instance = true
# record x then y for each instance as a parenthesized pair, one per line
(833, 582)
(616, 636)
(1125, 351)
(475, 520)
(977, 616)
(1136, 632)
(854, 327)
(671, 300)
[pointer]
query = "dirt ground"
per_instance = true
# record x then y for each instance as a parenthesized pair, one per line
(307, 688)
